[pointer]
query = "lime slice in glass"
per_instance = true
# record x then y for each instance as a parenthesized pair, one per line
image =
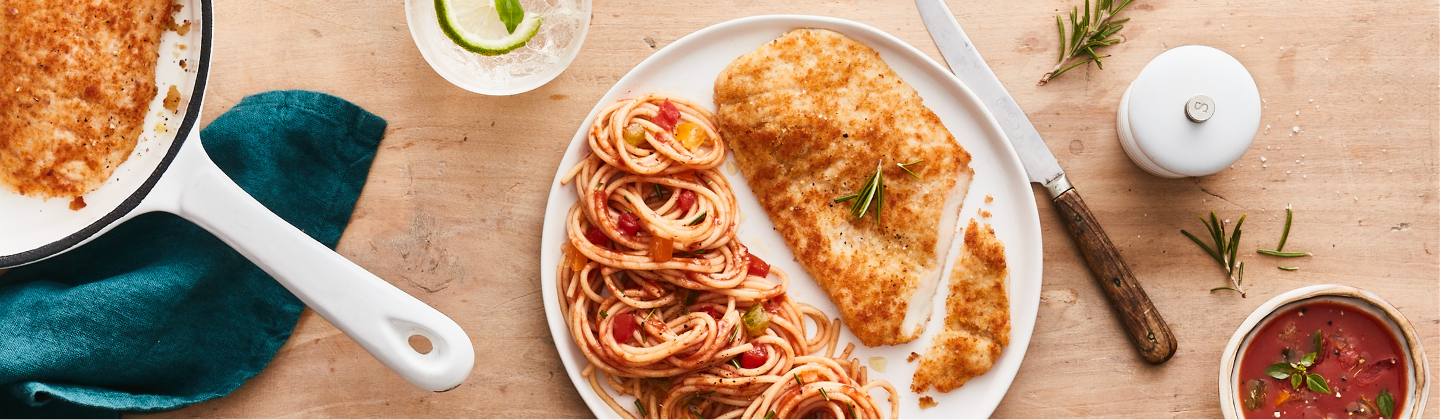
(476, 26)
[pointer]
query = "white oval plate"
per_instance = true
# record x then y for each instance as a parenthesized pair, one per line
(689, 67)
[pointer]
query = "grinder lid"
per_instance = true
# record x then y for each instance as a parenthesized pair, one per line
(1192, 111)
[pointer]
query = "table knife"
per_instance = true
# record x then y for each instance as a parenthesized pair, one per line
(1147, 330)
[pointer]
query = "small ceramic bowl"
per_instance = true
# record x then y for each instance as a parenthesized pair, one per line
(1415, 362)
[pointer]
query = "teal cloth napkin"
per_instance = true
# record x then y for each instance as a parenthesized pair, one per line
(158, 313)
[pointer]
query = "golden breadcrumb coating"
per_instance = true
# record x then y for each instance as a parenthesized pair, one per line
(810, 116)
(78, 80)
(977, 320)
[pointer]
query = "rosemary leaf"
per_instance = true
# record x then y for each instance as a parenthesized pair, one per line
(642, 409)
(1240, 278)
(1225, 250)
(1283, 254)
(879, 194)
(906, 167)
(1235, 241)
(1203, 246)
(873, 192)
(1219, 232)
(1289, 268)
(1095, 28)
(1285, 234)
(869, 195)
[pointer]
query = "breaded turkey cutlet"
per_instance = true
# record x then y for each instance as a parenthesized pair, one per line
(811, 116)
(78, 80)
(977, 316)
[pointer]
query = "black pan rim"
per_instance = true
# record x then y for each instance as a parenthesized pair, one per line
(192, 114)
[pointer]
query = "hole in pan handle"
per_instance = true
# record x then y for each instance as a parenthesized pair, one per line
(374, 313)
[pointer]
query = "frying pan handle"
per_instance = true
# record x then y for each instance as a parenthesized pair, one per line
(374, 313)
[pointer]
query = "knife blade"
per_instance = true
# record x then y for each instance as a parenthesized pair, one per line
(1145, 327)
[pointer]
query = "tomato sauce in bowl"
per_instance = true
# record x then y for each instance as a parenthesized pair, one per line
(1323, 359)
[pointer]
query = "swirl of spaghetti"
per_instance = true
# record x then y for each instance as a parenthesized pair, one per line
(652, 146)
(666, 304)
(694, 209)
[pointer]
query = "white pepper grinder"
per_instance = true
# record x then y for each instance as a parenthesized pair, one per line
(1192, 111)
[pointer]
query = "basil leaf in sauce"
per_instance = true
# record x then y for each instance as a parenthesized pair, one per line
(1317, 383)
(1386, 403)
(1278, 371)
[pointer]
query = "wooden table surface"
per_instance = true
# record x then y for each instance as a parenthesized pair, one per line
(452, 210)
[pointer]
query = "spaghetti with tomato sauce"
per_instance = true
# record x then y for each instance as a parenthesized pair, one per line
(667, 305)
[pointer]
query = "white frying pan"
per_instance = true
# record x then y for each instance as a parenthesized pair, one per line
(170, 172)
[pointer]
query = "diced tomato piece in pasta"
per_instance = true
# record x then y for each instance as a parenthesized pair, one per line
(754, 358)
(668, 116)
(685, 200)
(628, 224)
(623, 327)
(758, 267)
(597, 236)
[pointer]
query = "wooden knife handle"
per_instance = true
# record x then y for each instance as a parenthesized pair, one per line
(1147, 330)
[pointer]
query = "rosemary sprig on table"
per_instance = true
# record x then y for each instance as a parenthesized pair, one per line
(1224, 251)
(873, 191)
(1088, 32)
(1279, 249)
(1283, 254)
